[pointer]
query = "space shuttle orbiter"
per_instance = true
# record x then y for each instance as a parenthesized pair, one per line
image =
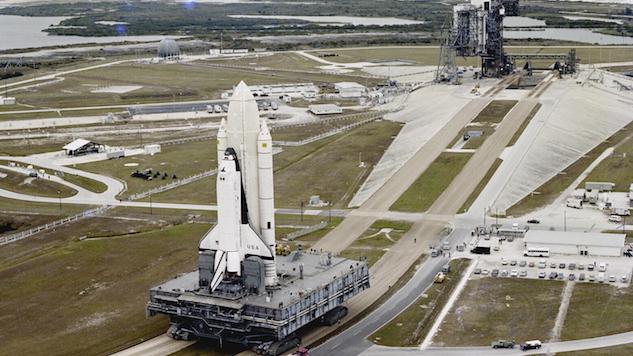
(246, 217)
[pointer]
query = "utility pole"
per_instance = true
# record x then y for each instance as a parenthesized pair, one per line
(301, 214)
(59, 196)
(329, 205)
(565, 221)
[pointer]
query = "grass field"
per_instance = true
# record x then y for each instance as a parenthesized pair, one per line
(501, 308)
(482, 184)
(491, 308)
(11, 206)
(10, 223)
(93, 290)
(617, 168)
(283, 61)
(587, 318)
(430, 184)
(21, 183)
(410, 327)
(183, 160)
(430, 55)
(160, 83)
(551, 189)
(86, 183)
(329, 167)
(373, 243)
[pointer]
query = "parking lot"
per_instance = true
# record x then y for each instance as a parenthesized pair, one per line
(506, 260)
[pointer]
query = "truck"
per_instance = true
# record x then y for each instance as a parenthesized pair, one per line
(574, 203)
(481, 250)
(621, 211)
(503, 344)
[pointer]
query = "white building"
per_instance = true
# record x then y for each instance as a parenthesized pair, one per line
(576, 243)
(6, 100)
(325, 109)
(350, 89)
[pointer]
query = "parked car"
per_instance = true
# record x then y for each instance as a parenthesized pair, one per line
(446, 268)
(531, 264)
(541, 274)
(561, 275)
(504, 262)
(581, 277)
(533, 221)
(571, 277)
(561, 265)
(531, 345)
(503, 344)
(542, 264)
(592, 278)
(515, 273)
(477, 271)
(522, 263)
(624, 279)
(571, 266)
(513, 263)
(590, 267)
(504, 273)
(552, 265)
(435, 253)
(494, 273)
(523, 273)
(485, 272)
(600, 277)
(612, 279)
(602, 267)
(553, 275)
(581, 266)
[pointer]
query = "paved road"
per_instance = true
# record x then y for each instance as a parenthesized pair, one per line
(556, 347)
(424, 233)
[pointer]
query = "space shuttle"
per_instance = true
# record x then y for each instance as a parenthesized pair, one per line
(245, 197)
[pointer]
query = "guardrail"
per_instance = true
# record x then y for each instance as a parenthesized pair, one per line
(172, 185)
(30, 232)
(296, 234)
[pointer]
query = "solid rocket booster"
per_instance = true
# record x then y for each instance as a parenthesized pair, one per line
(246, 220)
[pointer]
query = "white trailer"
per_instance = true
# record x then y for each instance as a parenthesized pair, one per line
(621, 211)
(574, 203)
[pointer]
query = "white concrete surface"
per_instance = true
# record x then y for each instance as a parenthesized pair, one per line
(572, 121)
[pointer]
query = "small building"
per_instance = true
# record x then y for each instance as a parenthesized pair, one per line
(7, 100)
(293, 90)
(599, 186)
(325, 109)
(576, 243)
(81, 147)
(152, 149)
(350, 89)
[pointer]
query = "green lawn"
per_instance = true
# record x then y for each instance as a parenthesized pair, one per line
(372, 244)
(597, 310)
(494, 112)
(329, 167)
(410, 327)
(430, 184)
(93, 290)
(183, 160)
(21, 183)
(617, 168)
(501, 308)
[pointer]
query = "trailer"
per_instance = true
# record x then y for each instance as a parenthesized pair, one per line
(574, 203)
(115, 154)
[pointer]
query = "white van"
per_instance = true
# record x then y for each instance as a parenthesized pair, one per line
(602, 267)
(615, 218)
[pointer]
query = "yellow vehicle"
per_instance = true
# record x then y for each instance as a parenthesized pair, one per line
(282, 250)
(439, 278)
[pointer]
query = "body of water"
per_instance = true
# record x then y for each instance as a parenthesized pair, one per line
(24, 32)
(569, 34)
(601, 19)
(334, 20)
(520, 21)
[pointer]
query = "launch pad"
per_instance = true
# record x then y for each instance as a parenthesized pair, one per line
(311, 289)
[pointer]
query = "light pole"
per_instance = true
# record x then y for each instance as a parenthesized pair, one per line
(301, 214)
(150, 205)
(59, 196)
(329, 206)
